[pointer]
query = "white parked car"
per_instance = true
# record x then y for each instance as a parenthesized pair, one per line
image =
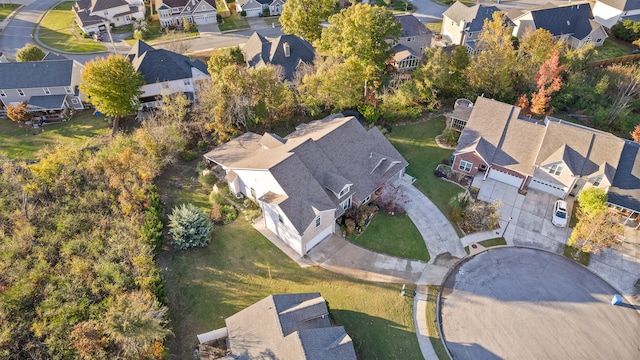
(559, 214)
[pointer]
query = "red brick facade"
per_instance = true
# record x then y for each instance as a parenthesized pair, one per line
(471, 157)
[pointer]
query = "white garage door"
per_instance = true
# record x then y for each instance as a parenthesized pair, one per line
(505, 178)
(205, 19)
(323, 234)
(253, 12)
(547, 187)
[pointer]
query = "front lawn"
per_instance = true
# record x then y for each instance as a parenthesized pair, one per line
(416, 143)
(394, 235)
(156, 34)
(489, 243)
(58, 30)
(233, 22)
(611, 49)
(26, 141)
(570, 252)
(436, 27)
(6, 9)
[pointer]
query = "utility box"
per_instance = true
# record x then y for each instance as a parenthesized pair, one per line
(617, 300)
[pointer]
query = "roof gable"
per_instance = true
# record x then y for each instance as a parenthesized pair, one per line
(35, 74)
(624, 5)
(158, 65)
(572, 20)
(259, 51)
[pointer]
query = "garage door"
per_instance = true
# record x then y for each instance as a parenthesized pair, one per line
(548, 187)
(505, 178)
(205, 19)
(253, 12)
(319, 237)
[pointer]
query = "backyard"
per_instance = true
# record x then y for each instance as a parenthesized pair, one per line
(240, 267)
(23, 142)
(416, 143)
(58, 30)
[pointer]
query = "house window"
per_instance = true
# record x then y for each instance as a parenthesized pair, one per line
(343, 192)
(2, 93)
(46, 91)
(68, 90)
(280, 218)
(346, 204)
(599, 40)
(318, 221)
(465, 165)
(75, 101)
(106, 12)
(555, 170)
(20, 92)
(187, 82)
(127, 17)
(253, 193)
(366, 200)
(597, 181)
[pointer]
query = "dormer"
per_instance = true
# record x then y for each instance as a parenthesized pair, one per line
(337, 184)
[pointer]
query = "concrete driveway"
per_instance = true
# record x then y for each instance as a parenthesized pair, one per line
(530, 215)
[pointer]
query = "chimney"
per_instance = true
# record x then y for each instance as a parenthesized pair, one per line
(287, 49)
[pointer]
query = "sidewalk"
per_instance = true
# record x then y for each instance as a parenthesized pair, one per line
(6, 20)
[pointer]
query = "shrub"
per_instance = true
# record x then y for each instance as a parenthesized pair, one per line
(151, 230)
(189, 227)
(351, 226)
(461, 201)
(218, 18)
(456, 214)
(450, 136)
(243, 13)
(371, 114)
(627, 30)
(202, 145)
(188, 155)
(207, 178)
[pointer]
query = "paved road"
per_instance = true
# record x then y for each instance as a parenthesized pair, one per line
(18, 33)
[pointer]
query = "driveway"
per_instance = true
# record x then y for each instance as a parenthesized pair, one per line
(530, 215)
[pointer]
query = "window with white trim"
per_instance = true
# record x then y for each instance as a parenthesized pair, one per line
(366, 200)
(465, 165)
(20, 92)
(46, 91)
(253, 194)
(343, 191)
(68, 89)
(346, 204)
(556, 170)
(2, 93)
(597, 181)
(318, 221)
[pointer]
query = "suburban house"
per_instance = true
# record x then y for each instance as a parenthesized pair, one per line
(461, 112)
(609, 12)
(572, 24)
(284, 327)
(50, 85)
(288, 51)
(462, 25)
(166, 72)
(276, 6)
(174, 12)
(305, 181)
(253, 8)
(415, 38)
(554, 156)
(93, 16)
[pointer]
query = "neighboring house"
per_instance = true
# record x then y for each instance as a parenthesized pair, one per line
(462, 24)
(461, 112)
(48, 85)
(253, 8)
(305, 181)
(609, 12)
(572, 24)
(624, 193)
(93, 16)
(288, 51)
(554, 156)
(415, 38)
(275, 7)
(174, 12)
(285, 327)
(166, 72)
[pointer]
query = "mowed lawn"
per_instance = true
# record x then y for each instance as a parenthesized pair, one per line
(24, 142)
(416, 143)
(58, 30)
(6, 9)
(394, 235)
(240, 267)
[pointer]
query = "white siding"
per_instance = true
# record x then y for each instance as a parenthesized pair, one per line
(606, 15)
(260, 180)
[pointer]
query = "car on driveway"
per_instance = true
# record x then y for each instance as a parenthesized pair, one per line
(559, 217)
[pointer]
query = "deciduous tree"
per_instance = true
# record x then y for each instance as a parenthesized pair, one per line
(29, 52)
(625, 82)
(113, 86)
(535, 47)
(548, 80)
(18, 113)
(635, 134)
(224, 57)
(303, 17)
(595, 233)
(593, 201)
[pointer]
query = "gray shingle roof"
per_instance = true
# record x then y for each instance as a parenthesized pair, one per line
(625, 5)
(625, 190)
(562, 20)
(46, 102)
(34, 74)
(473, 16)
(259, 51)
(158, 65)
(288, 327)
(302, 163)
(411, 26)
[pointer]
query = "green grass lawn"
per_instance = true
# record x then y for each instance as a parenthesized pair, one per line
(57, 31)
(26, 141)
(272, 21)
(610, 49)
(394, 235)
(6, 9)
(155, 34)
(432, 323)
(434, 26)
(489, 243)
(417, 145)
(583, 257)
(234, 22)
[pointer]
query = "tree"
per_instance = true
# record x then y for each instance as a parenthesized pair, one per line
(18, 113)
(29, 52)
(225, 57)
(627, 30)
(361, 31)
(635, 134)
(548, 81)
(593, 201)
(303, 17)
(189, 227)
(491, 70)
(626, 88)
(113, 86)
(595, 233)
(270, 96)
(535, 47)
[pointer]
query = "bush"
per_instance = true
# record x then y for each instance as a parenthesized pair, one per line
(202, 145)
(351, 226)
(151, 230)
(450, 136)
(219, 18)
(243, 13)
(456, 214)
(207, 178)
(188, 155)
(370, 113)
(627, 30)
(189, 227)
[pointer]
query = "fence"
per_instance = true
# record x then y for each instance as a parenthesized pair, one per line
(618, 60)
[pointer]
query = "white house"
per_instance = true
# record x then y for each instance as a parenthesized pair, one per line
(609, 12)
(166, 73)
(305, 181)
(174, 12)
(93, 16)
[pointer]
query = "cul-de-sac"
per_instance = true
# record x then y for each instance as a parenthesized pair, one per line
(320, 179)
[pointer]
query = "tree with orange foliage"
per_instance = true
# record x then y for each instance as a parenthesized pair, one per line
(635, 134)
(18, 113)
(548, 81)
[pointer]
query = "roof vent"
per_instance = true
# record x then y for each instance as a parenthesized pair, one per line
(568, 22)
(287, 49)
